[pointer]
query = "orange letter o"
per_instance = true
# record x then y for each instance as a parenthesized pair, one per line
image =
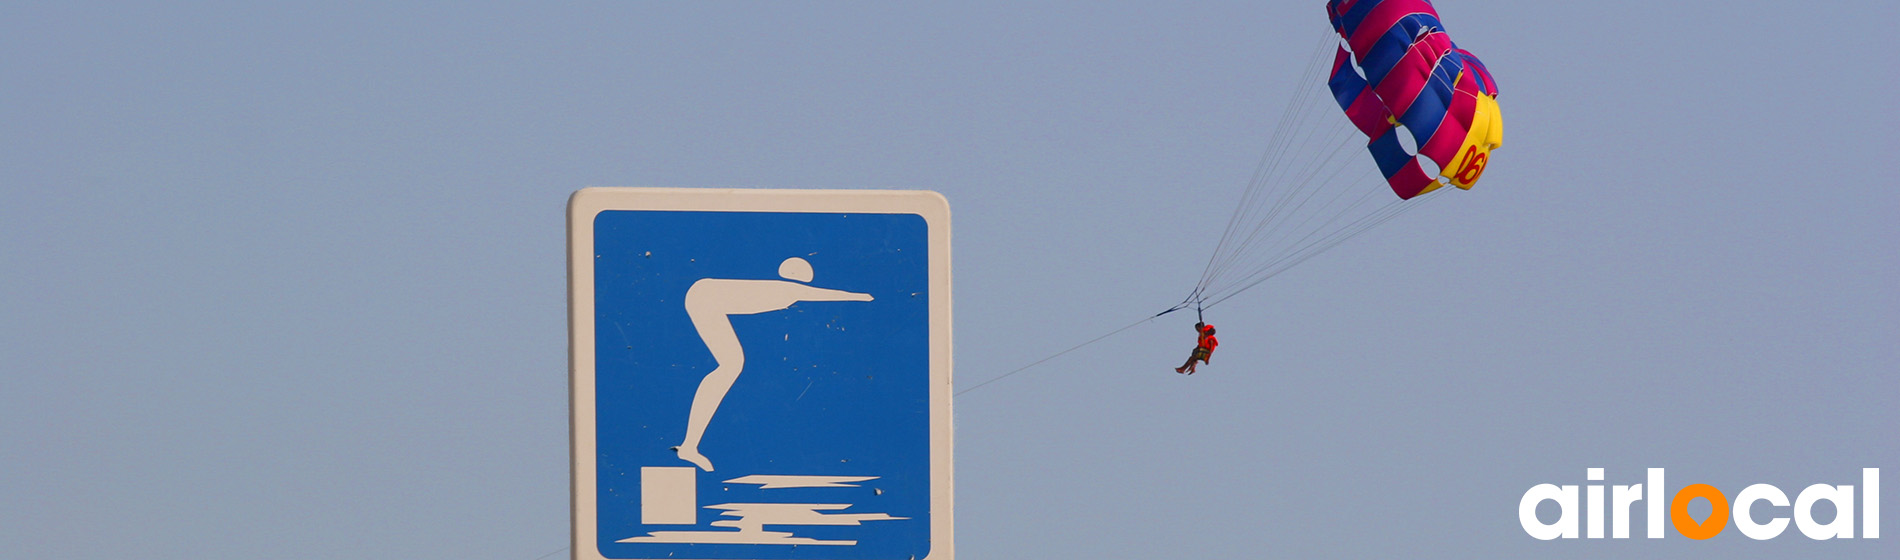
(1718, 512)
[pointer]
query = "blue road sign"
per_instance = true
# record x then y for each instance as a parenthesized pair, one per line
(760, 374)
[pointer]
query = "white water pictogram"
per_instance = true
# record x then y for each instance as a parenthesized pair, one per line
(752, 518)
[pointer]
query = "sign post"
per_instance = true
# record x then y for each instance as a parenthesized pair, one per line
(760, 374)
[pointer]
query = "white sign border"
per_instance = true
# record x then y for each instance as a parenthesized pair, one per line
(588, 203)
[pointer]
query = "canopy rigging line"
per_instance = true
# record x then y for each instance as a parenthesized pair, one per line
(1059, 354)
(1148, 319)
(1310, 192)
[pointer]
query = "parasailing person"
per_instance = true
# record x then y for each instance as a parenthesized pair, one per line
(1203, 348)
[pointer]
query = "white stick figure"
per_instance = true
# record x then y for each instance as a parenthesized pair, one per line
(710, 302)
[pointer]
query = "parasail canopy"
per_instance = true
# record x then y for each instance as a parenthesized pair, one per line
(1403, 69)
(1429, 107)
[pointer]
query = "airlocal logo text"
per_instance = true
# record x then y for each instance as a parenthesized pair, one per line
(1745, 509)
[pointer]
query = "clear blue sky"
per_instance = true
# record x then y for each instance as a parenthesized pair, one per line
(288, 281)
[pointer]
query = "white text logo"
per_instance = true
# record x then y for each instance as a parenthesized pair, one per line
(1747, 507)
